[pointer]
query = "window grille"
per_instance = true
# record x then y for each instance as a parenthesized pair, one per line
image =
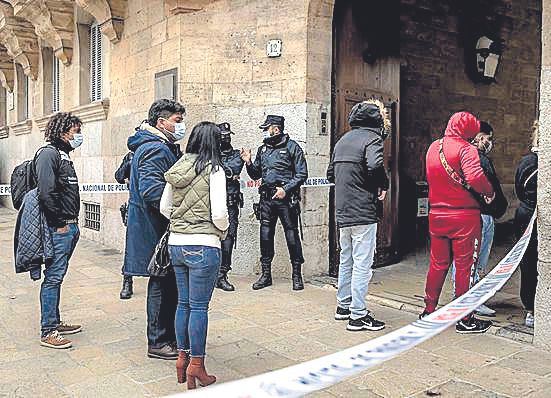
(92, 214)
(95, 64)
(55, 85)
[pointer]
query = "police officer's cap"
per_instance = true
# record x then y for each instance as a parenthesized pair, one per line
(225, 128)
(273, 120)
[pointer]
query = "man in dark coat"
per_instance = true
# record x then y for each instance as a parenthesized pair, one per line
(233, 164)
(155, 152)
(357, 170)
(281, 165)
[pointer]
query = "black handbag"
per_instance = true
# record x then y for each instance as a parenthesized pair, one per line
(160, 265)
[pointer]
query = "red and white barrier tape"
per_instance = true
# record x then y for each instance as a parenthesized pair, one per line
(307, 377)
(103, 188)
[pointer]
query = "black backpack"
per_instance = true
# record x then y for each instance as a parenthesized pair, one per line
(23, 179)
(123, 172)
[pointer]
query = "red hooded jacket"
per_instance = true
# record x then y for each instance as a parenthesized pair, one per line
(446, 195)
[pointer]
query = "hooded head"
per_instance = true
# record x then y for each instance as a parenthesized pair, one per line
(371, 113)
(463, 125)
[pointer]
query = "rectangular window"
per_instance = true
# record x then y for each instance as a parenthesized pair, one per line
(55, 85)
(95, 63)
(92, 213)
(166, 84)
(22, 94)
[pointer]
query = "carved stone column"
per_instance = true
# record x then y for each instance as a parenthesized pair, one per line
(7, 71)
(109, 14)
(53, 21)
(19, 38)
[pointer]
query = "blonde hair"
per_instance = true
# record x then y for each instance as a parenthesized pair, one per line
(535, 134)
(382, 109)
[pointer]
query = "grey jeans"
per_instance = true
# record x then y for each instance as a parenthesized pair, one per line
(355, 270)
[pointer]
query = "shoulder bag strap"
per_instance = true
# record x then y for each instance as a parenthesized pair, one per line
(454, 175)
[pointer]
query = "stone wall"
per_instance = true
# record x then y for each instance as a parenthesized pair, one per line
(542, 333)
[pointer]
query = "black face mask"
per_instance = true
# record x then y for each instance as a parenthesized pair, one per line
(225, 143)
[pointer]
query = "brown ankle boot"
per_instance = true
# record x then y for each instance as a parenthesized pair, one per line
(196, 370)
(181, 366)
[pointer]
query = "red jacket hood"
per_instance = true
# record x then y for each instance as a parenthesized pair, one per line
(463, 125)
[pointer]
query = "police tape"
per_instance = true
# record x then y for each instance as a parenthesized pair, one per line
(317, 374)
(104, 188)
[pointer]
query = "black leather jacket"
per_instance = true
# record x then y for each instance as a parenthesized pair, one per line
(280, 165)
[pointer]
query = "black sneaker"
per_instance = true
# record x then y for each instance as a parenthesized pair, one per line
(342, 314)
(424, 314)
(472, 326)
(365, 323)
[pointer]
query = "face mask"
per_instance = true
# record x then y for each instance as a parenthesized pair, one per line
(266, 134)
(77, 140)
(179, 131)
(488, 148)
(225, 142)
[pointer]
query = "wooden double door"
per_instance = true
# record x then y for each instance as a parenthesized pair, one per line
(354, 80)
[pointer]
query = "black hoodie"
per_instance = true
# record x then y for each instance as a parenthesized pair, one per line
(357, 168)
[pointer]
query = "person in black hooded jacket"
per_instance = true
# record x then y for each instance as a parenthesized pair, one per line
(526, 186)
(357, 170)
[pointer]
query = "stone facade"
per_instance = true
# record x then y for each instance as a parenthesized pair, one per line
(542, 335)
(224, 74)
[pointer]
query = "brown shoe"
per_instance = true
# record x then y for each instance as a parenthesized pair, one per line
(65, 328)
(55, 340)
(196, 370)
(181, 366)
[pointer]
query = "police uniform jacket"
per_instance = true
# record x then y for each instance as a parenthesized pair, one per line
(280, 165)
(233, 164)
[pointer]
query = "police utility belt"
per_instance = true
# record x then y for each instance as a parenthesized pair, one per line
(71, 221)
(235, 199)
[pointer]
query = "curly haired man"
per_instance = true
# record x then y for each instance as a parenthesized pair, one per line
(59, 199)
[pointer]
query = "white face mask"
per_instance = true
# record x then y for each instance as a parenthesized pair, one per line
(488, 148)
(179, 131)
(77, 140)
(266, 134)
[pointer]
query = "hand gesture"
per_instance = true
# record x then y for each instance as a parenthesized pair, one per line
(280, 193)
(246, 155)
(382, 195)
(489, 199)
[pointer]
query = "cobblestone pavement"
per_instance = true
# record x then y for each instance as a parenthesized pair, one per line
(249, 333)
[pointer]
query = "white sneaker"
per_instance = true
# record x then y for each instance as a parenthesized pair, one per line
(529, 320)
(485, 311)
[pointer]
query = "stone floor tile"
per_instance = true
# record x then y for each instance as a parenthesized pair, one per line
(349, 390)
(259, 362)
(115, 385)
(67, 377)
(458, 389)
(240, 348)
(298, 348)
(506, 381)
(390, 383)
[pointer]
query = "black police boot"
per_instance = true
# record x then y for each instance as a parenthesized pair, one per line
(126, 291)
(223, 283)
(297, 277)
(265, 279)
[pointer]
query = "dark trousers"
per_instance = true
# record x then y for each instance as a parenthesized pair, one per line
(270, 211)
(162, 299)
(529, 263)
(229, 243)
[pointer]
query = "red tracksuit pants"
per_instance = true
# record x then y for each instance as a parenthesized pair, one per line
(454, 237)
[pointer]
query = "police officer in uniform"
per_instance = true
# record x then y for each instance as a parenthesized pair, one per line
(281, 164)
(233, 164)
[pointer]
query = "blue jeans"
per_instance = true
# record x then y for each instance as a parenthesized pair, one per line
(357, 251)
(485, 248)
(50, 290)
(196, 269)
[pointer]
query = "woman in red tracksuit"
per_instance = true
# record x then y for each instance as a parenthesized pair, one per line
(454, 219)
